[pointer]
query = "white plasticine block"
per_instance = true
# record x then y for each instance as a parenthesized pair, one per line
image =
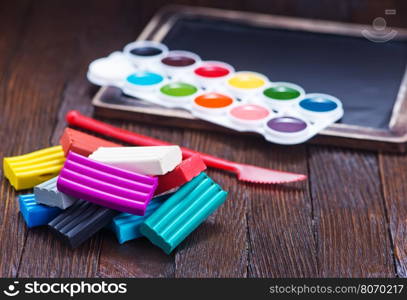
(155, 160)
(47, 193)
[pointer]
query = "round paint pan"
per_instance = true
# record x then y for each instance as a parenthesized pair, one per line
(248, 115)
(286, 127)
(176, 63)
(212, 73)
(143, 81)
(244, 83)
(212, 103)
(178, 92)
(282, 94)
(142, 53)
(317, 105)
(111, 70)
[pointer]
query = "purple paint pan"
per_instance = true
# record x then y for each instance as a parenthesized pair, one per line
(287, 128)
(287, 124)
(105, 185)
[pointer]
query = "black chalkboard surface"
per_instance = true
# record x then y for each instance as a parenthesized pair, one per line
(326, 57)
(365, 75)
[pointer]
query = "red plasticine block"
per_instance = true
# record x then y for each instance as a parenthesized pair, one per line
(82, 143)
(184, 172)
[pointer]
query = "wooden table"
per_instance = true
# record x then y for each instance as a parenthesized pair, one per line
(349, 219)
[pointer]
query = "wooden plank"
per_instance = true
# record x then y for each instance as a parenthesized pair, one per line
(218, 248)
(280, 223)
(13, 17)
(73, 44)
(393, 171)
(349, 215)
(138, 258)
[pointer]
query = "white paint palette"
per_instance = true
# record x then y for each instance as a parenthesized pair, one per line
(213, 91)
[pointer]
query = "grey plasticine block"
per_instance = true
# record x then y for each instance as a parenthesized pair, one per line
(47, 193)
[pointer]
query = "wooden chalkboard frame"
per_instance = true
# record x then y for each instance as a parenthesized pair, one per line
(110, 102)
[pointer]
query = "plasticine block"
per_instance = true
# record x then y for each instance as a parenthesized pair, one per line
(28, 170)
(126, 226)
(184, 211)
(154, 160)
(106, 185)
(82, 143)
(35, 214)
(184, 172)
(47, 193)
(79, 222)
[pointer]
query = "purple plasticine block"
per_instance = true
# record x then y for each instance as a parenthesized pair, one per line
(106, 185)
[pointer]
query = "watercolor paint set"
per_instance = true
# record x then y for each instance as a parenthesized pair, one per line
(213, 91)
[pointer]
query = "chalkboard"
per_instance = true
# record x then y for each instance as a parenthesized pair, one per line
(365, 75)
(325, 57)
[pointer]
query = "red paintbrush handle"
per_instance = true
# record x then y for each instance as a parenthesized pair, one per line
(75, 118)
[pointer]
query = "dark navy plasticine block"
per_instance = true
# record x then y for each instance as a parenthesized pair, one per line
(80, 221)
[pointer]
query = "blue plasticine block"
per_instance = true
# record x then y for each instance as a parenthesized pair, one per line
(126, 226)
(36, 214)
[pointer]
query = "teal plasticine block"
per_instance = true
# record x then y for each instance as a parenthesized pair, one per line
(35, 214)
(126, 226)
(183, 212)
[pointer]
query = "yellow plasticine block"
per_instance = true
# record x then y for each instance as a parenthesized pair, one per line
(28, 170)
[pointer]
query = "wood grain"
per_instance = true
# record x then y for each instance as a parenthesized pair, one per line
(54, 49)
(349, 215)
(218, 248)
(365, 11)
(394, 177)
(280, 224)
(23, 99)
